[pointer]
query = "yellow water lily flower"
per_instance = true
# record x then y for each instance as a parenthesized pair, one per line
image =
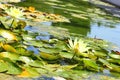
(78, 45)
(14, 12)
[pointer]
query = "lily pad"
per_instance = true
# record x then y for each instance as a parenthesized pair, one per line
(12, 67)
(48, 56)
(66, 55)
(8, 35)
(3, 66)
(90, 64)
(115, 56)
(12, 56)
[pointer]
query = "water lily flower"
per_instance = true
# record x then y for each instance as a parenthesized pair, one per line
(14, 12)
(78, 46)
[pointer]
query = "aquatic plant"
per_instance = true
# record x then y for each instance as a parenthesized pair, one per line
(22, 55)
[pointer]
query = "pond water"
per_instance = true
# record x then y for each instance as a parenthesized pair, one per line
(106, 33)
(84, 18)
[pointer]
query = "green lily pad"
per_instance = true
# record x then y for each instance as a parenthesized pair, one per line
(49, 50)
(105, 63)
(66, 55)
(115, 56)
(12, 67)
(116, 61)
(3, 66)
(115, 68)
(36, 63)
(22, 51)
(12, 56)
(100, 53)
(49, 56)
(90, 64)
(8, 35)
(33, 72)
(26, 59)
(34, 43)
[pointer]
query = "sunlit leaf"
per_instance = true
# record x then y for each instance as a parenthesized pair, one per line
(9, 55)
(25, 73)
(9, 48)
(48, 56)
(106, 63)
(115, 68)
(66, 55)
(49, 50)
(29, 72)
(8, 35)
(117, 61)
(36, 63)
(90, 64)
(3, 66)
(22, 51)
(12, 67)
(115, 56)
(26, 59)
(100, 53)
(68, 67)
(34, 43)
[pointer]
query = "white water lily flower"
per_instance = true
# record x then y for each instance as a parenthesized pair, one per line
(15, 12)
(78, 46)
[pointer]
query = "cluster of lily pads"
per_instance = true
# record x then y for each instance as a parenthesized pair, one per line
(67, 57)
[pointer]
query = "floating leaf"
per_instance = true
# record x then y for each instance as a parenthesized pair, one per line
(22, 51)
(48, 56)
(12, 67)
(34, 43)
(50, 50)
(66, 55)
(25, 73)
(29, 72)
(106, 63)
(90, 64)
(68, 67)
(8, 35)
(115, 68)
(115, 56)
(117, 61)
(9, 55)
(9, 48)
(26, 59)
(100, 53)
(36, 63)
(3, 66)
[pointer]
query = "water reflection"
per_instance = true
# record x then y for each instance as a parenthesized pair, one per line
(106, 33)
